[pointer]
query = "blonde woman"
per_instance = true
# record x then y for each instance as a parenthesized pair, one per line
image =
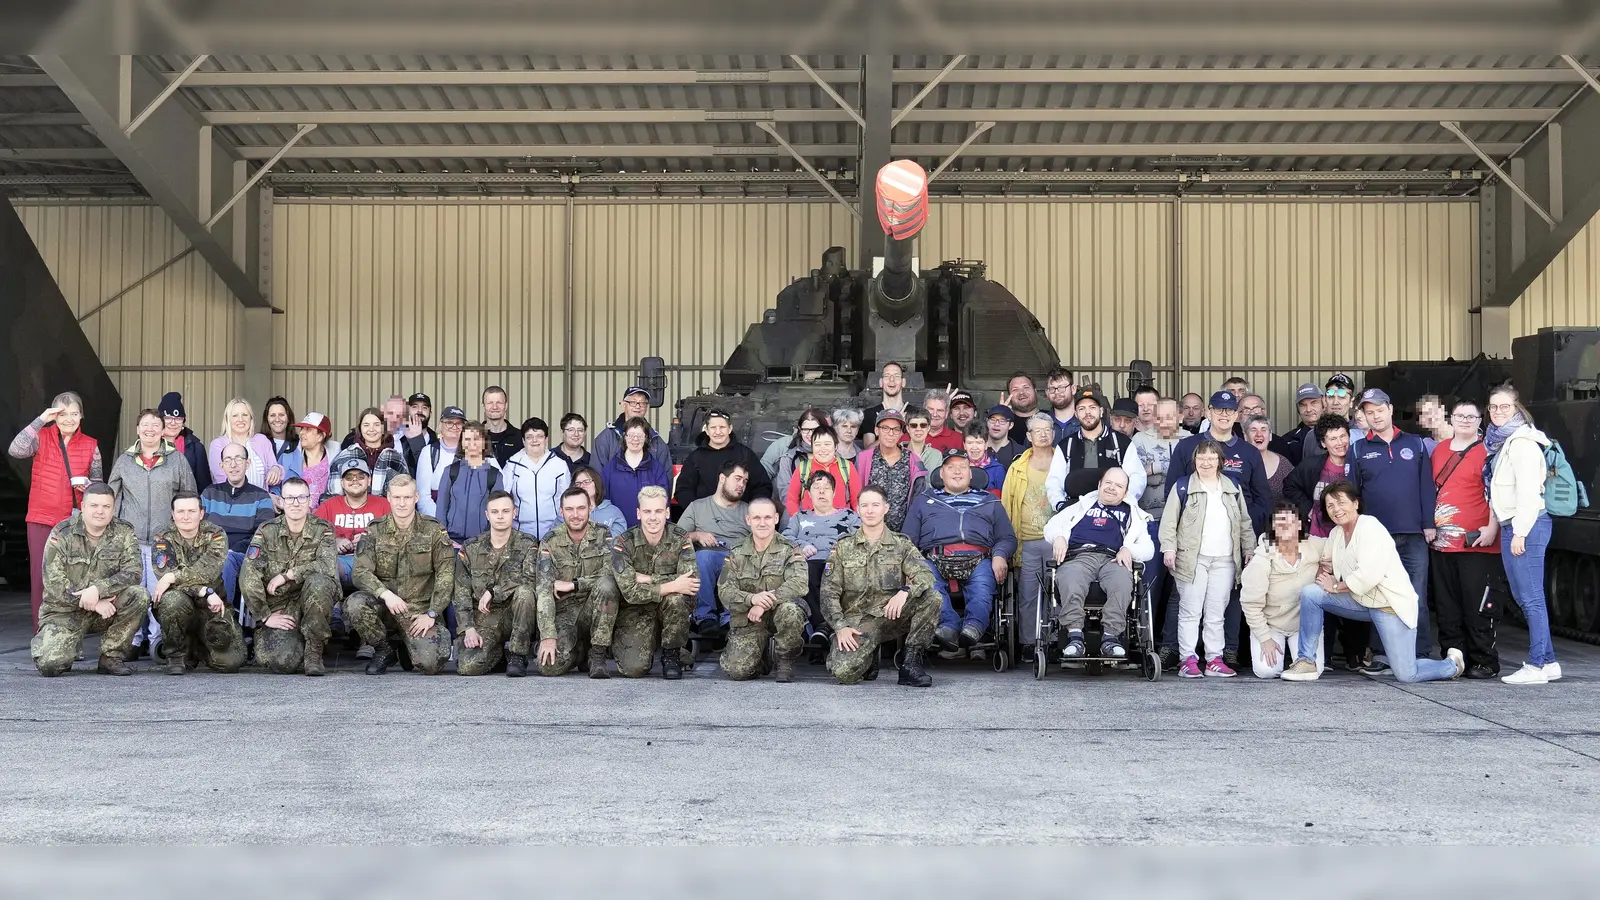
(239, 427)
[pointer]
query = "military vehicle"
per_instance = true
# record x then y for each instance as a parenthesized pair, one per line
(826, 339)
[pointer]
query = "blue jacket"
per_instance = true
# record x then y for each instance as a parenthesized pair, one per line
(237, 511)
(194, 450)
(623, 482)
(1396, 481)
(462, 499)
(937, 518)
(1240, 462)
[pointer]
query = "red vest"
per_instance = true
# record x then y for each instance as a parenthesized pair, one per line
(51, 498)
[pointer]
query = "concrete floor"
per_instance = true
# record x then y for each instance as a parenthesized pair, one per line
(979, 758)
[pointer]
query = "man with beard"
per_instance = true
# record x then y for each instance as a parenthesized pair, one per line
(1022, 396)
(714, 524)
(1060, 390)
(578, 596)
(1079, 458)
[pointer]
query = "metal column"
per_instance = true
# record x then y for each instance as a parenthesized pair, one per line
(877, 110)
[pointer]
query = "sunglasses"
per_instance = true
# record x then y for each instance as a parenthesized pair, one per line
(1338, 392)
(919, 425)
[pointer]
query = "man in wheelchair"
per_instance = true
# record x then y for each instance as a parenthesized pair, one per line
(964, 533)
(1097, 540)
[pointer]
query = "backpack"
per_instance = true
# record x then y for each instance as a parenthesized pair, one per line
(1564, 494)
(844, 475)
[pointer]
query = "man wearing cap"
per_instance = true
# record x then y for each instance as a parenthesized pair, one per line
(437, 457)
(1240, 461)
(1338, 398)
(1022, 399)
(963, 409)
(703, 466)
(966, 536)
(1079, 458)
(608, 443)
(175, 429)
(892, 468)
(1395, 474)
(998, 426)
(415, 435)
(1125, 417)
(238, 508)
(1298, 441)
(351, 512)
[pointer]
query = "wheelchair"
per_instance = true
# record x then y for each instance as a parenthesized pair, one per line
(999, 642)
(1140, 638)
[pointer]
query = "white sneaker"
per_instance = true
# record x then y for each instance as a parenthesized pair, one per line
(1455, 656)
(1528, 674)
(1552, 671)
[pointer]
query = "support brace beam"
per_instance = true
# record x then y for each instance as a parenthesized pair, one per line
(771, 129)
(168, 91)
(1455, 129)
(828, 89)
(169, 157)
(260, 174)
(977, 131)
(927, 89)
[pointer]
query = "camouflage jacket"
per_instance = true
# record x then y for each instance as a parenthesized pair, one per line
(633, 555)
(198, 563)
(419, 565)
(584, 563)
(781, 568)
(274, 550)
(862, 575)
(508, 574)
(72, 563)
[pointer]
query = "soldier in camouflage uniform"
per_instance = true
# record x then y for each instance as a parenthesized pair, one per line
(405, 574)
(763, 585)
(196, 625)
(92, 573)
(877, 588)
(656, 574)
(575, 560)
(290, 582)
(494, 589)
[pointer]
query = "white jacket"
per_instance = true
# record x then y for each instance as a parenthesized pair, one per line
(1136, 541)
(537, 488)
(1369, 564)
(429, 474)
(1516, 486)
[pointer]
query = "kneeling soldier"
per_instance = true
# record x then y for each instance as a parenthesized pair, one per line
(877, 588)
(656, 574)
(405, 573)
(494, 589)
(92, 573)
(290, 582)
(763, 585)
(578, 595)
(187, 559)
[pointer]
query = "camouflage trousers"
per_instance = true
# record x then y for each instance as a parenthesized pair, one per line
(192, 632)
(310, 604)
(641, 628)
(747, 640)
(493, 628)
(61, 631)
(376, 625)
(582, 623)
(914, 629)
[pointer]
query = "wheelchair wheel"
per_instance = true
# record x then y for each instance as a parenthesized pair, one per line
(1041, 661)
(1001, 660)
(1151, 666)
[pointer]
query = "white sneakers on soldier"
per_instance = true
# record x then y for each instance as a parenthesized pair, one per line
(1528, 674)
(1552, 671)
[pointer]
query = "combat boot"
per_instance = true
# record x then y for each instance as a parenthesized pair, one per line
(382, 658)
(114, 665)
(671, 665)
(911, 671)
(597, 662)
(516, 665)
(783, 669)
(314, 666)
(175, 663)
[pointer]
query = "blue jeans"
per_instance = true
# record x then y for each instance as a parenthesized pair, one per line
(710, 564)
(1414, 556)
(1399, 641)
(1526, 575)
(347, 565)
(230, 575)
(978, 591)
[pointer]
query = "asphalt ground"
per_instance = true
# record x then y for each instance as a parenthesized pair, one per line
(979, 758)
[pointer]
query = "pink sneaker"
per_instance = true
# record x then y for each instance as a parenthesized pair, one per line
(1190, 668)
(1216, 668)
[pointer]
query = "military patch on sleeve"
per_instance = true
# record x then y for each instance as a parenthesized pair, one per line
(253, 553)
(829, 567)
(461, 554)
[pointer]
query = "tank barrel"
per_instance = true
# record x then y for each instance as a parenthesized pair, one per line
(902, 192)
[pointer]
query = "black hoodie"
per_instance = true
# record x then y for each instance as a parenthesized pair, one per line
(703, 465)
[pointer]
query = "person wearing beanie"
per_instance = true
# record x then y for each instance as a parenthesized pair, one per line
(175, 429)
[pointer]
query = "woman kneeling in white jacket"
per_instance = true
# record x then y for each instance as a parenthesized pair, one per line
(1269, 591)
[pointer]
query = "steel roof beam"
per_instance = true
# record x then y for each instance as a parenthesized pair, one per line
(175, 158)
(518, 178)
(64, 154)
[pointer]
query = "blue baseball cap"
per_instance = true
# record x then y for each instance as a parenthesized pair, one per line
(1374, 395)
(1224, 400)
(635, 389)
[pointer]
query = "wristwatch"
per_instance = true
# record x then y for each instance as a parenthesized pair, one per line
(432, 614)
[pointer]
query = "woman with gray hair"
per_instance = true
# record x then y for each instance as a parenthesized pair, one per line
(65, 460)
(1258, 431)
(847, 425)
(1028, 507)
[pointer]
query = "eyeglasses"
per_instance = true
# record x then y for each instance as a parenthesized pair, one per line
(1337, 392)
(573, 429)
(302, 498)
(890, 429)
(1465, 417)
(233, 459)
(1502, 407)
(586, 483)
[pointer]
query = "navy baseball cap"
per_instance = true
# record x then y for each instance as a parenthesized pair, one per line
(1003, 412)
(1341, 380)
(1224, 400)
(1125, 407)
(1374, 395)
(635, 389)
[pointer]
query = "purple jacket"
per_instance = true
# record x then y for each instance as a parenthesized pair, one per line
(623, 482)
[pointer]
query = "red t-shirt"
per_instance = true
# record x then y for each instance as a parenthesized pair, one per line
(350, 524)
(947, 440)
(1462, 506)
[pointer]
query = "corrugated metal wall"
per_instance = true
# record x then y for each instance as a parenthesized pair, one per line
(177, 331)
(386, 297)
(1568, 292)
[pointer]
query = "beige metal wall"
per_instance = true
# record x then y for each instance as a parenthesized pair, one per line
(1568, 292)
(179, 330)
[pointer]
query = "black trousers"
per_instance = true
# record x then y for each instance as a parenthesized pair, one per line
(814, 568)
(1458, 581)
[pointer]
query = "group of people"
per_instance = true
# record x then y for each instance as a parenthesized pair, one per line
(488, 545)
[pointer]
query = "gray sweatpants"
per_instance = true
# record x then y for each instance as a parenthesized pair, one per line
(1077, 575)
(1030, 581)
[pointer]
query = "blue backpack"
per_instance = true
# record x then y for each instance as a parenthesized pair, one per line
(1564, 494)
